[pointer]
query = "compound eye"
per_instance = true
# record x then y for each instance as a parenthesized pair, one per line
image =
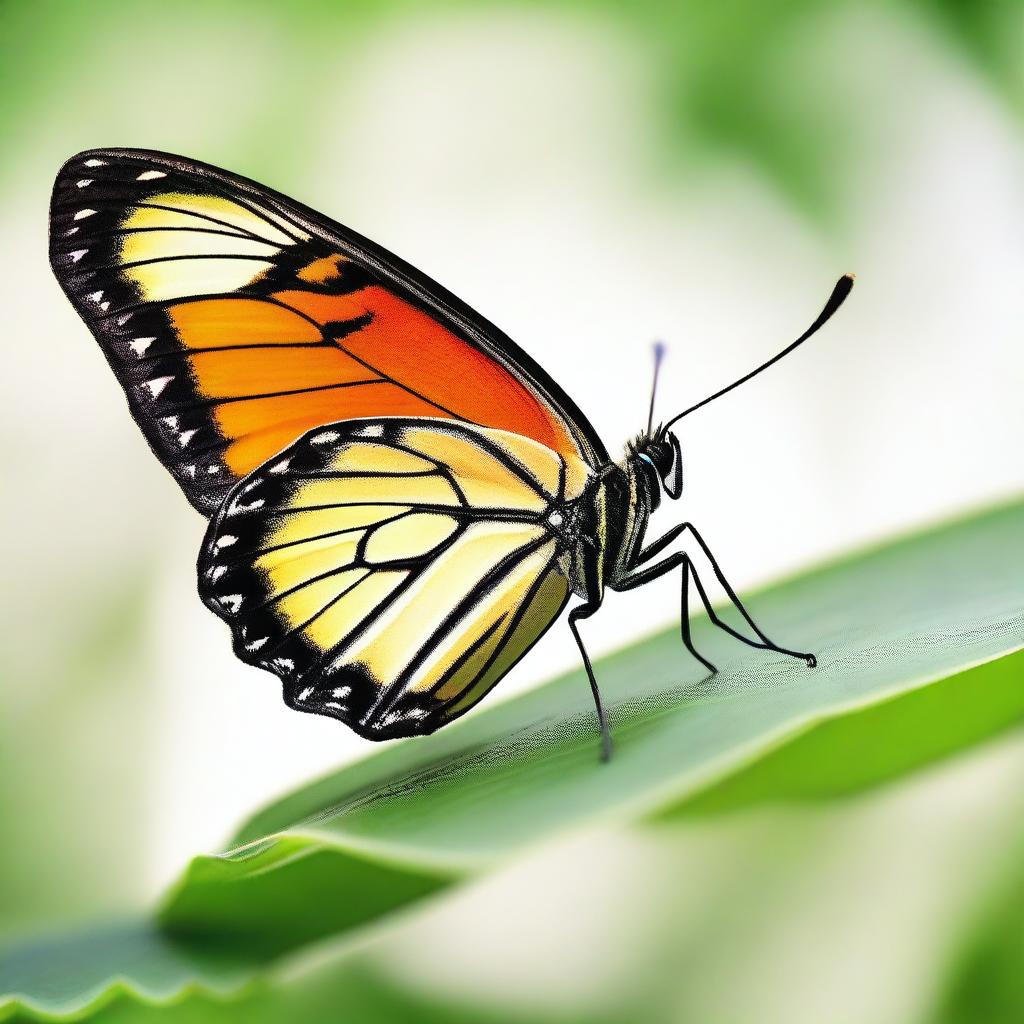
(673, 475)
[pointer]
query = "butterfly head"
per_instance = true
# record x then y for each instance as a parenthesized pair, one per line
(661, 452)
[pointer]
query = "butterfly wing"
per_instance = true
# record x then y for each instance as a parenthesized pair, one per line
(236, 320)
(392, 570)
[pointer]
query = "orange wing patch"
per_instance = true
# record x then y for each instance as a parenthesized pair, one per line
(381, 340)
(482, 391)
(327, 268)
(225, 323)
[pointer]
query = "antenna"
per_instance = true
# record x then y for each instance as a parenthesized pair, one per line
(659, 354)
(835, 300)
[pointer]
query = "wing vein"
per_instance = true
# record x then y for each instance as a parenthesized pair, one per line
(292, 630)
(207, 403)
(509, 633)
(492, 576)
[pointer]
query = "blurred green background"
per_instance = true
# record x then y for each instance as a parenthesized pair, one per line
(590, 177)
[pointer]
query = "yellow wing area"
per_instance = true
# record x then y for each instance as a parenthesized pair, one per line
(391, 571)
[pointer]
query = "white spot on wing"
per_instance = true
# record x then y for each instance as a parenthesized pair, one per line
(95, 163)
(237, 508)
(82, 183)
(157, 384)
(186, 435)
(139, 345)
(82, 214)
(342, 692)
(305, 693)
(77, 254)
(326, 437)
(232, 602)
(376, 430)
(257, 644)
(150, 175)
(280, 467)
(225, 541)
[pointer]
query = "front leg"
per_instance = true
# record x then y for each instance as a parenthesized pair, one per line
(646, 553)
(641, 576)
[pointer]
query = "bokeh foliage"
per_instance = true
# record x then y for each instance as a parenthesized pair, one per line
(736, 77)
(734, 80)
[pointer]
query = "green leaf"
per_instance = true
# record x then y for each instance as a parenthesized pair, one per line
(272, 897)
(77, 975)
(129, 973)
(919, 648)
(885, 624)
(843, 755)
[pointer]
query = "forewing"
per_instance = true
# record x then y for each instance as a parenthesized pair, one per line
(392, 571)
(236, 320)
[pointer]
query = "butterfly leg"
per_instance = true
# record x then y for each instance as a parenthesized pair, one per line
(766, 643)
(653, 572)
(584, 611)
(763, 642)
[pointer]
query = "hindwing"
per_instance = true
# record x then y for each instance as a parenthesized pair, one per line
(392, 570)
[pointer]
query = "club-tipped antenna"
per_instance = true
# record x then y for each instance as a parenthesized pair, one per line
(659, 354)
(835, 300)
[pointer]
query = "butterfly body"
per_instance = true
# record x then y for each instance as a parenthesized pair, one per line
(632, 494)
(400, 500)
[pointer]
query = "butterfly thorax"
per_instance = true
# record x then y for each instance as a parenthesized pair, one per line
(631, 493)
(627, 495)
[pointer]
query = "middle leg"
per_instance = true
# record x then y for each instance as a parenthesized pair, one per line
(653, 572)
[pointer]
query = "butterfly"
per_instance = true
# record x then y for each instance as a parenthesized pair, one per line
(400, 500)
